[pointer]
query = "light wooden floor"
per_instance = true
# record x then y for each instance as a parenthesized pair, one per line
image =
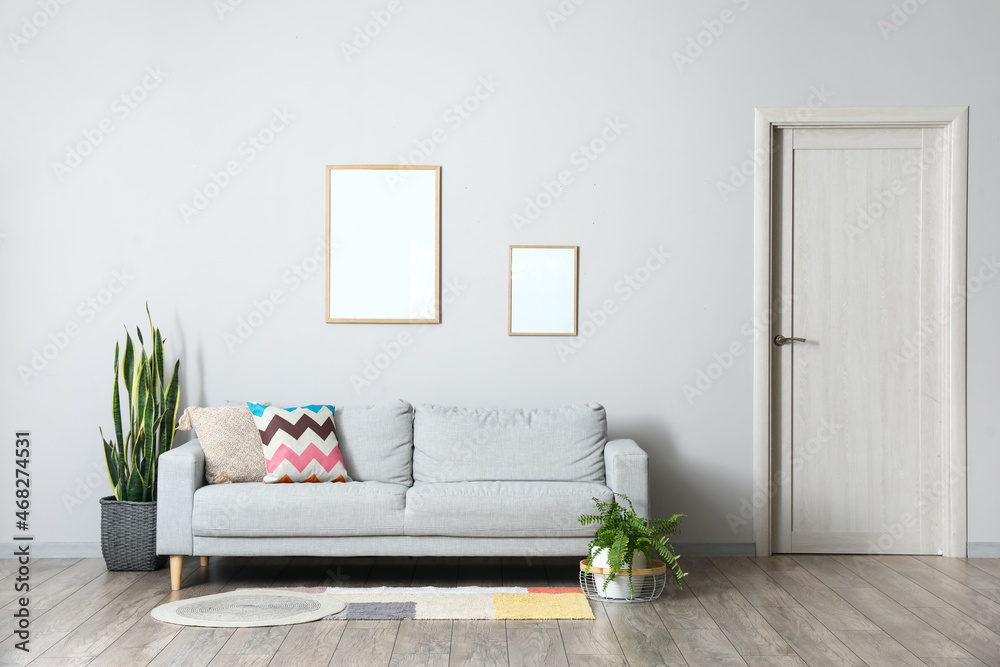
(781, 611)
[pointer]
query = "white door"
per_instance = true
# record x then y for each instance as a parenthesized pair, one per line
(859, 264)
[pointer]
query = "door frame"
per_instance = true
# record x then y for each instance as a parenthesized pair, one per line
(955, 122)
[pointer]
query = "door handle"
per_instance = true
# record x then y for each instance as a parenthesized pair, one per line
(780, 340)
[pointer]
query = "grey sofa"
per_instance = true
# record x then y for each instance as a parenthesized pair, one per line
(429, 481)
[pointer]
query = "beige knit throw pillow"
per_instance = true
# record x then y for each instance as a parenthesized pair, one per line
(229, 437)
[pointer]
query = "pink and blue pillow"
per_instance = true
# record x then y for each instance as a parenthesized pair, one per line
(300, 444)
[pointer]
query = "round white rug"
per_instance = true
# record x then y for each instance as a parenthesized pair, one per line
(248, 609)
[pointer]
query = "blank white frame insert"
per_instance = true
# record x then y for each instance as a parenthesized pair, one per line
(543, 290)
(383, 248)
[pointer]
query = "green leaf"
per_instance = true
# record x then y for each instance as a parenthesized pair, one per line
(139, 421)
(616, 557)
(111, 463)
(168, 423)
(157, 351)
(121, 460)
(128, 363)
(116, 404)
(146, 423)
(171, 404)
(129, 371)
(135, 491)
(148, 410)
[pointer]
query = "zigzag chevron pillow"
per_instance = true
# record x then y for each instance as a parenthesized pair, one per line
(300, 444)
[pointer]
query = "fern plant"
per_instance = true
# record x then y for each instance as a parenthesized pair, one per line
(622, 533)
(152, 417)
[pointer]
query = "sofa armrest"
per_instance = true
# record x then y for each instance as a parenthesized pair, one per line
(180, 472)
(626, 471)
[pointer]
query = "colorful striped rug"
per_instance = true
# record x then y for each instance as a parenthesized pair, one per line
(464, 602)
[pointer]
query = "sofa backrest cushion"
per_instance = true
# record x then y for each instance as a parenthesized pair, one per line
(564, 444)
(377, 441)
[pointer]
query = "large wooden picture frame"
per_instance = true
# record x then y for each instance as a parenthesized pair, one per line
(383, 244)
(543, 290)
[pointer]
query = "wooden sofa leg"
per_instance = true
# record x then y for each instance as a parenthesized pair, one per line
(176, 565)
(204, 561)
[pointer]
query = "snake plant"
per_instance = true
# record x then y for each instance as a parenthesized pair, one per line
(622, 533)
(152, 417)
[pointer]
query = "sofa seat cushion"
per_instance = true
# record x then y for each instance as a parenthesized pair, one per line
(306, 510)
(502, 509)
(563, 444)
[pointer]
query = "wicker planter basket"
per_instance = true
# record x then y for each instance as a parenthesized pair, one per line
(128, 536)
(648, 582)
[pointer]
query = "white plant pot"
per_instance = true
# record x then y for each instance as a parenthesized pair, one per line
(618, 588)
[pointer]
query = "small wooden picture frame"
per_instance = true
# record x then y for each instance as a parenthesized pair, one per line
(383, 244)
(543, 290)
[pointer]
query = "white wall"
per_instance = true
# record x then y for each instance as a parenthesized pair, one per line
(679, 134)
